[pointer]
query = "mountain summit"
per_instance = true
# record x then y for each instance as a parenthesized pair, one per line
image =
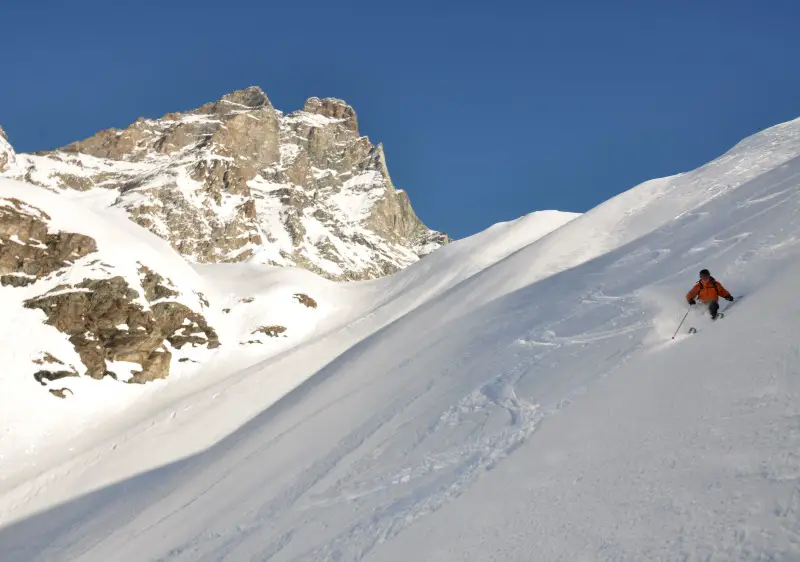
(236, 180)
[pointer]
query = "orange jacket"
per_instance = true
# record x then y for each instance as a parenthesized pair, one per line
(708, 292)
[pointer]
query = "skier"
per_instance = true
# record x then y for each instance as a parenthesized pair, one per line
(708, 290)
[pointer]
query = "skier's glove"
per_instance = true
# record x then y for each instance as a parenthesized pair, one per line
(729, 298)
(692, 302)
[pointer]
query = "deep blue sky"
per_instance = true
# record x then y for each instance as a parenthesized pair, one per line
(488, 110)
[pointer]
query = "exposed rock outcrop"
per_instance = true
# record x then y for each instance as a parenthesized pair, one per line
(7, 155)
(271, 331)
(305, 300)
(105, 322)
(107, 317)
(60, 392)
(28, 251)
(335, 109)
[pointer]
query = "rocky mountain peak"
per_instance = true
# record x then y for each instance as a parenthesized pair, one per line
(249, 98)
(235, 180)
(252, 97)
(334, 109)
(6, 152)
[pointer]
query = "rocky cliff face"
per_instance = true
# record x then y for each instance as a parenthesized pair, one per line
(120, 317)
(28, 251)
(236, 180)
(105, 322)
(6, 152)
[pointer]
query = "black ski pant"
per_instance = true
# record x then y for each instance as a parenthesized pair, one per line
(713, 308)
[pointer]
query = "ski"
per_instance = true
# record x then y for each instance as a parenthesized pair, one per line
(720, 316)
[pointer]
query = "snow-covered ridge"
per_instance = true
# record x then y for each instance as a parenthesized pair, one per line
(237, 181)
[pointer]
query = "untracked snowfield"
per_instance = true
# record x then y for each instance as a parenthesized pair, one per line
(513, 396)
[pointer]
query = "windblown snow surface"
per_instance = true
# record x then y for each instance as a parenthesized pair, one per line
(513, 396)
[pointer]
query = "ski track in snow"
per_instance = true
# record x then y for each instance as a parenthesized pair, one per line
(454, 469)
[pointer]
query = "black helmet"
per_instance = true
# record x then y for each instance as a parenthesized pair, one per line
(705, 272)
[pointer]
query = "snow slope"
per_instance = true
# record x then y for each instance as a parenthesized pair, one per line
(534, 408)
(239, 297)
(122, 248)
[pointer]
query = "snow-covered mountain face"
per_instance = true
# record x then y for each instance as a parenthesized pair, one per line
(92, 300)
(88, 302)
(236, 180)
(513, 396)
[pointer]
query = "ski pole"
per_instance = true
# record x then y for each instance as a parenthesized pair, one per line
(682, 321)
